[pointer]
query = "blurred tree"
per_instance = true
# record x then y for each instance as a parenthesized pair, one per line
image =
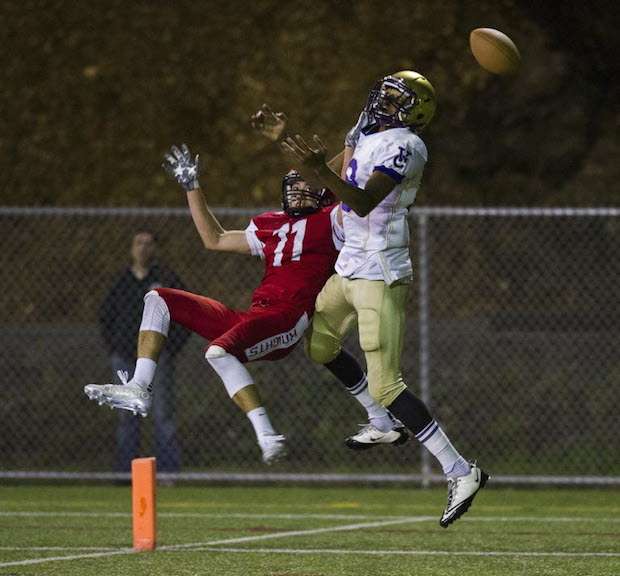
(94, 93)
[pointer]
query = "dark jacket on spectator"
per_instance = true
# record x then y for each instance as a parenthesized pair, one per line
(120, 313)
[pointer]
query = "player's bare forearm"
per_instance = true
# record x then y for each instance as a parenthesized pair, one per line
(360, 200)
(213, 235)
(206, 223)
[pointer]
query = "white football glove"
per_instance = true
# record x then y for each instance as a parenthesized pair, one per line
(353, 135)
(179, 165)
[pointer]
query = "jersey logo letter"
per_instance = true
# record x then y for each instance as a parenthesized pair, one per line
(401, 158)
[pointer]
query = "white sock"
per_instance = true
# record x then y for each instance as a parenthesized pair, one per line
(260, 421)
(377, 414)
(383, 423)
(437, 443)
(145, 372)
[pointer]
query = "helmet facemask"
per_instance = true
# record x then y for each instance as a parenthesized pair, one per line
(298, 197)
(390, 102)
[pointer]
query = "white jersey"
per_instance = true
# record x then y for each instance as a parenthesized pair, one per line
(377, 246)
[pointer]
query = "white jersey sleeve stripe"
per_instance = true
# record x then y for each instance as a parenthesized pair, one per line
(256, 246)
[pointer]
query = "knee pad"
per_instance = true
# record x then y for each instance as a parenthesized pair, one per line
(232, 372)
(156, 315)
(320, 345)
(369, 329)
(322, 348)
(215, 352)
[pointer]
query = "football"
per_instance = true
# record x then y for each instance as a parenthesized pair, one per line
(494, 51)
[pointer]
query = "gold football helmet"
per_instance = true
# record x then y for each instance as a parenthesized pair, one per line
(403, 99)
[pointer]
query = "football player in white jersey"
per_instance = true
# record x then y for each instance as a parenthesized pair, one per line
(377, 180)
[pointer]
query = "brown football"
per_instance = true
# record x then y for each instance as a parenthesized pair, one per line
(494, 51)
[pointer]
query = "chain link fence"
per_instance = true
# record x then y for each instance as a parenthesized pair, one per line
(513, 338)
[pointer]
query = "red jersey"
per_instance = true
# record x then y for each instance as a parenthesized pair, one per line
(299, 254)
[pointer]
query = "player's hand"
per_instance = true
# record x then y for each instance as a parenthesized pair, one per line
(180, 166)
(353, 135)
(269, 124)
(299, 149)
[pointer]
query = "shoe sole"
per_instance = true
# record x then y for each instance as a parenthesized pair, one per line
(102, 399)
(275, 459)
(361, 446)
(464, 507)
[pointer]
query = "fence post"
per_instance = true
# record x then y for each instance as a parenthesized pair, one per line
(423, 300)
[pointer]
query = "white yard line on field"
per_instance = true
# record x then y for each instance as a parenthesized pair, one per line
(302, 516)
(211, 545)
(292, 533)
(119, 552)
(61, 514)
(321, 551)
(53, 548)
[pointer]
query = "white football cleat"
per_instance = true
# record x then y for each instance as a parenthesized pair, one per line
(370, 436)
(461, 493)
(125, 396)
(272, 446)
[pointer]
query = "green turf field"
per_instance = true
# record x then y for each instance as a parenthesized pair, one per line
(292, 531)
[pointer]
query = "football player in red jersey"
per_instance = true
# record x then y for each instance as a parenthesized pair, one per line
(299, 246)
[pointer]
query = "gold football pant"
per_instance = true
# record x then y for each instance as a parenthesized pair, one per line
(379, 311)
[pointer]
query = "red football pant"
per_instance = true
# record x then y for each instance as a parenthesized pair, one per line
(260, 333)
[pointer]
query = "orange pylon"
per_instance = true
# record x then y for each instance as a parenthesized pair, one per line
(144, 511)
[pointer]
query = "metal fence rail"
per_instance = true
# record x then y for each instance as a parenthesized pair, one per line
(513, 338)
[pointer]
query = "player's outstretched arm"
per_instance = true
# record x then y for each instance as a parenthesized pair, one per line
(214, 237)
(361, 200)
(180, 166)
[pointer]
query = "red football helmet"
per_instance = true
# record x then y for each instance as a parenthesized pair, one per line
(299, 199)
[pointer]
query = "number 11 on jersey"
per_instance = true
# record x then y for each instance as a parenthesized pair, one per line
(299, 231)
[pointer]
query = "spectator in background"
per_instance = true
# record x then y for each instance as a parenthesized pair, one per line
(119, 318)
